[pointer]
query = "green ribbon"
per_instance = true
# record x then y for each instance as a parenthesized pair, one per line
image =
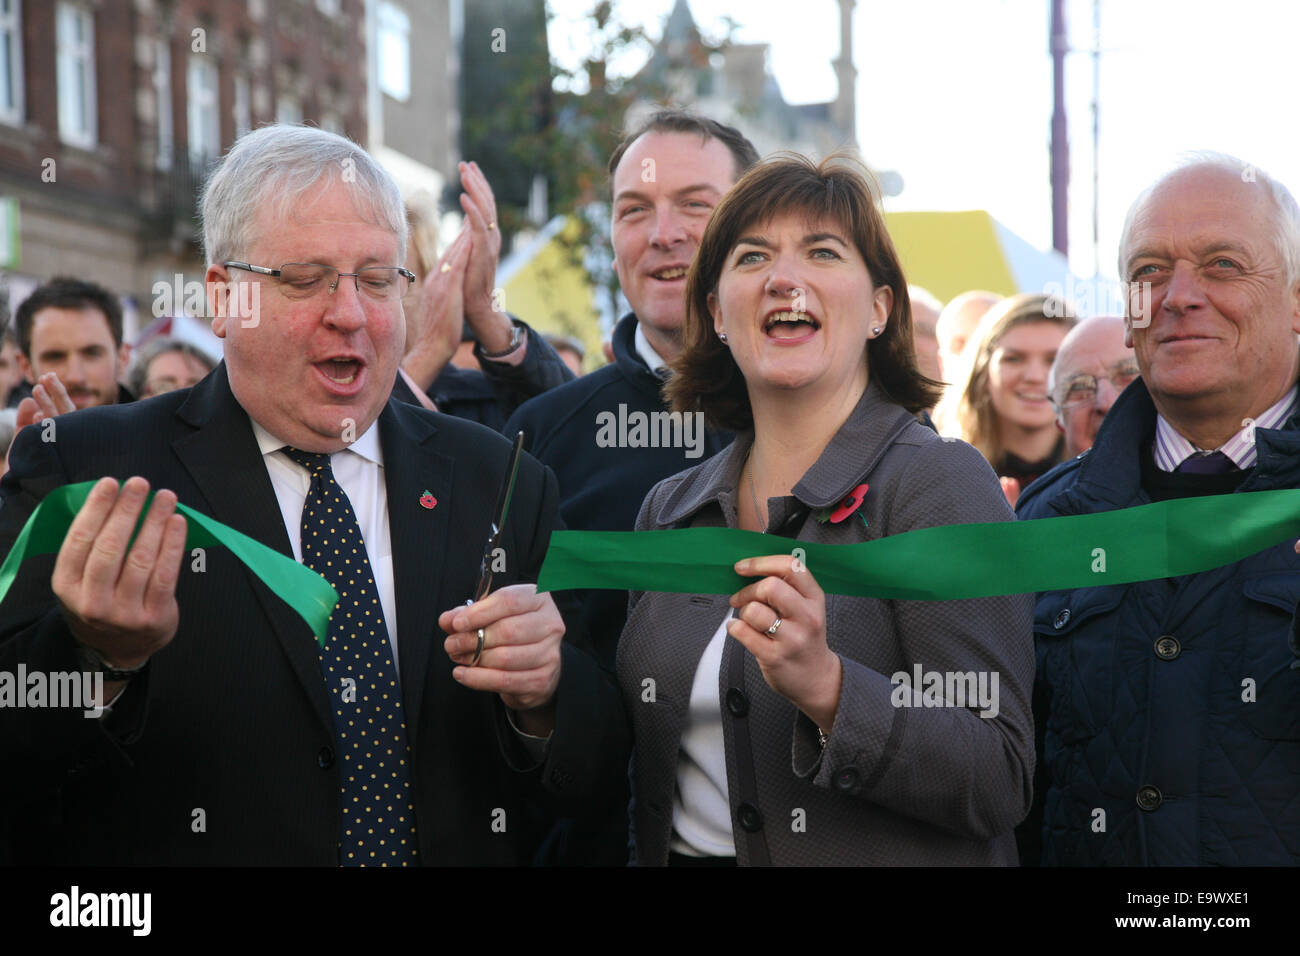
(1161, 540)
(309, 594)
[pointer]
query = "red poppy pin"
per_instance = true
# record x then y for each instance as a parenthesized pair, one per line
(427, 500)
(850, 505)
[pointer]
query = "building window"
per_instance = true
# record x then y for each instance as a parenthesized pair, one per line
(11, 63)
(162, 91)
(75, 38)
(394, 51)
(204, 119)
(288, 110)
(243, 106)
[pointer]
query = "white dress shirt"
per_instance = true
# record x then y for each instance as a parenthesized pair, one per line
(359, 470)
(647, 352)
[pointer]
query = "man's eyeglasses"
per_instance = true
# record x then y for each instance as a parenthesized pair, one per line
(1082, 389)
(302, 280)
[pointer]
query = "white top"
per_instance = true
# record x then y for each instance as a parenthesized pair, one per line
(701, 808)
(359, 470)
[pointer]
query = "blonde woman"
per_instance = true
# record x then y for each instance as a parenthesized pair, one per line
(998, 402)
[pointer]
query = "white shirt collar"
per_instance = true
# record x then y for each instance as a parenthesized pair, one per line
(366, 445)
(646, 351)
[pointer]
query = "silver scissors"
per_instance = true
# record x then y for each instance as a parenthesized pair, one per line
(494, 535)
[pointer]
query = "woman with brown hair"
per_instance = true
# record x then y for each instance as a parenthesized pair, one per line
(999, 402)
(785, 733)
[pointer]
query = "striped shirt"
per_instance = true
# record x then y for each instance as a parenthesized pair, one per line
(1172, 449)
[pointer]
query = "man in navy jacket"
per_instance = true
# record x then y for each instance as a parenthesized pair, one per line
(1168, 711)
(598, 433)
(608, 436)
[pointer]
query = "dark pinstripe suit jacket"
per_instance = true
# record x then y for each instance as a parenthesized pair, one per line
(895, 785)
(231, 718)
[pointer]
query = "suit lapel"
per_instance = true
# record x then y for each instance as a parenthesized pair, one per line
(420, 542)
(225, 464)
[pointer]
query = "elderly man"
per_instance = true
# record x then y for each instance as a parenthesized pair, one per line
(232, 738)
(1092, 366)
(1169, 707)
(166, 364)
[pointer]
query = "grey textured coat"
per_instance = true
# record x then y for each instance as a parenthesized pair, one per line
(895, 784)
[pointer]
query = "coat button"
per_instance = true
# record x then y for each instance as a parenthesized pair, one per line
(1149, 797)
(737, 702)
(325, 758)
(846, 779)
(1167, 647)
(1062, 618)
(749, 817)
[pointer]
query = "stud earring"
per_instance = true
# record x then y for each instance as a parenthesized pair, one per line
(876, 330)
(723, 337)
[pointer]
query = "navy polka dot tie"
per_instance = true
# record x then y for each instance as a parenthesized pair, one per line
(378, 824)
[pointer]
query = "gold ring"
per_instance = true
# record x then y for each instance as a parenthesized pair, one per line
(478, 652)
(492, 225)
(446, 267)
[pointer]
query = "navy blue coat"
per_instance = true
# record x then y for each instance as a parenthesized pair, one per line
(1151, 751)
(601, 488)
(491, 396)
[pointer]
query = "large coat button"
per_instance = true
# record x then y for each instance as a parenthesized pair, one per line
(846, 779)
(1062, 618)
(325, 758)
(737, 702)
(1167, 647)
(1149, 798)
(749, 817)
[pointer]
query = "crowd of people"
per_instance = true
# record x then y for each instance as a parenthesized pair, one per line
(355, 424)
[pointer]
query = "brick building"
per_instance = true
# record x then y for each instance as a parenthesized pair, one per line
(111, 112)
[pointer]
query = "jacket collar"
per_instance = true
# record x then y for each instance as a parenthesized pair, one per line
(223, 459)
(628, 360)
(1110, 473)
(850, 456)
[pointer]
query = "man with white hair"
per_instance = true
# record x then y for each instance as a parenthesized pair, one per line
(417, 731)
(1170, 709)
(1092, 366)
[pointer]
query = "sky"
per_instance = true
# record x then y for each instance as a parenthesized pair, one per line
(956, 95)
